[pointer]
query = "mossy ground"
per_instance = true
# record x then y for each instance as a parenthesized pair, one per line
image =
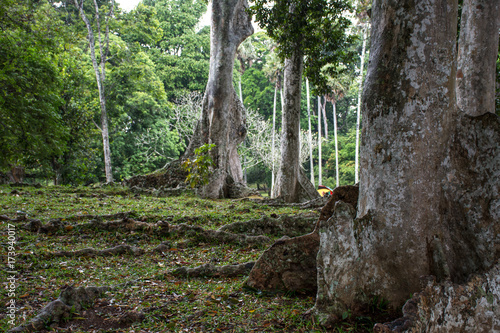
(171, 304)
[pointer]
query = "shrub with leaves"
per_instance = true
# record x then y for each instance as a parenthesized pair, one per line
(201, 167)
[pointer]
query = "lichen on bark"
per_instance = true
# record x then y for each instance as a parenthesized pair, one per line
(223, 120)
(430, 175)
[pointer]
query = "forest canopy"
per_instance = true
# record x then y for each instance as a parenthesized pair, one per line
(156, 71)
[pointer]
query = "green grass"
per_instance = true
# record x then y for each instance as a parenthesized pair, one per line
(171, 304)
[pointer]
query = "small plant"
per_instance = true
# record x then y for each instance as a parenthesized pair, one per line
(201, 167)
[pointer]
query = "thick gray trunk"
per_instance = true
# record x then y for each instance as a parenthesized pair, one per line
(100, 76)
(288, 185)
(223, 118)
(477, 55)
(430, 176)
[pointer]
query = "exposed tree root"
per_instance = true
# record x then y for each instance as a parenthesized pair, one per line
(117, 250)
(348, 194)
(283, 225)
(288, 265)
(212, 236)
(120, 215)
(70, 301)
(171, 176)
(127, 224)
(90, 252)
(160, 228)
(216, 271)
(162, 191)
(314, 203)
(450, 307)
(18, 218)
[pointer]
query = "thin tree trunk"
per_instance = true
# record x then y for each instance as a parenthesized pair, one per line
(334, 103)
(325, 119)
(358, 113)
(310, 131)
(244, 142)
(240, 90)
(477, 56)
(320, 180)
(273, 139)
(100, 75)
(282, 101)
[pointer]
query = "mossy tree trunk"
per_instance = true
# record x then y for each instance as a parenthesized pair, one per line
(477, 56)
(430, 175)
(223, 117)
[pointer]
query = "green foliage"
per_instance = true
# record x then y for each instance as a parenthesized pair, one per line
(142, 27)
(31, 126)
(347, 149)
(199, 169)
(182, 54)
(317, 28)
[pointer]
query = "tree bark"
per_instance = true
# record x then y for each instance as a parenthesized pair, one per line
(310, 131)
(358, 115)
(325, 119)
(334, 103)
(223, 115)
(320, 180)
(477, 56)
(100, 76)
(290, 186)
(273, 171)
(430, 176)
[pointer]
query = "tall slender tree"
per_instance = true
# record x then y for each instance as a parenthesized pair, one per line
(100, 74)
(320, 141)
(309, 132)
(337, 183)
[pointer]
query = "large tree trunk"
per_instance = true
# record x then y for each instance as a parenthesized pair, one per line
(290, 185)
(430, 176)
(477, 55)
(223, 118)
